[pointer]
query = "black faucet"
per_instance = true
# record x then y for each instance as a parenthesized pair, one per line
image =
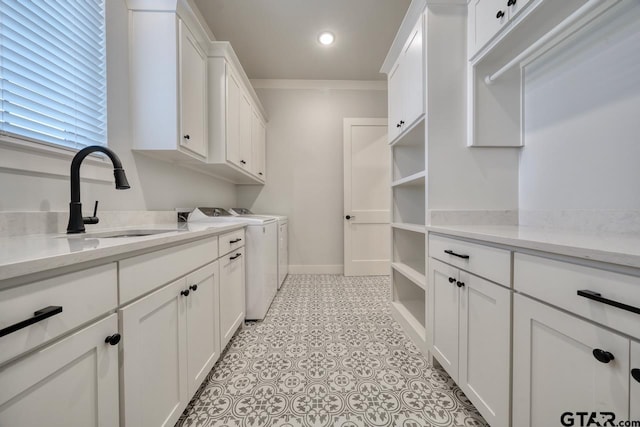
(76, 220)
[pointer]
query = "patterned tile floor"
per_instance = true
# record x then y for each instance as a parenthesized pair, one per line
(327, 354)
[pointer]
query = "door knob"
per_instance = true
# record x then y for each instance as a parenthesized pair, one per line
(113, 339)
(452, 279)
(500, 14)
(602, 356)
(193, 287)
(460, 284)
(185, 293)
(187, 136)
(350, 216)
(511, 2)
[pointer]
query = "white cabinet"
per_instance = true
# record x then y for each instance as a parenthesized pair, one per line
(258, 145)
(555, 369)
(203, 329)
(236, 123)
(232, 298)
(155, 357)
(73, 382)
(168, 86)
(406, 84)
(470, 336)
(487, 17)
(635, 382)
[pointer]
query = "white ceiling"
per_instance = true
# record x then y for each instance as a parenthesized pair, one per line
(277, 39)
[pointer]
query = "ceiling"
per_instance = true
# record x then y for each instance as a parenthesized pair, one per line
(277, 39)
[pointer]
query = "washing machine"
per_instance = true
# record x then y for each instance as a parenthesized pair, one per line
(261, 251)
(283, 240)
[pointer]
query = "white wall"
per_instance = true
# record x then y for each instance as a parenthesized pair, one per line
(582, 122)
(304, 168)
(155, 185)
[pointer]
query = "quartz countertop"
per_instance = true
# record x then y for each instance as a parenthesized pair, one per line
(615, 248)
(23, 255)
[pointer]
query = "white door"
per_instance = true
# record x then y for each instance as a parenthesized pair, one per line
(233, 118)
(413, 74)
(245, 132)
(443, 311)
(635, 381)
(394, 98)
(155, 357)
(366, 198)
(555, 369)
(485, 347)
(203, 330)
(73, 382)
(232, 299)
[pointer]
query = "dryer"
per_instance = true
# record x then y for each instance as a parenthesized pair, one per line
(261, 251)
(283, 240)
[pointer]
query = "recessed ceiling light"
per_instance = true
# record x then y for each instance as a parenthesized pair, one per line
(326, 38)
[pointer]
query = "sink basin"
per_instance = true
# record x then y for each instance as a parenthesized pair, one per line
(120, 233)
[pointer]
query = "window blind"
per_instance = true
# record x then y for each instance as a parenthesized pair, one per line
(53, 71)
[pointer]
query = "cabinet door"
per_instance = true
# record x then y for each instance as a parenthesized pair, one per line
(395, 101)
(245, 132)
(232, 301)
(554, 368)
(203, 330)
(443, 315)
(635, 381)
(258, 140)
(283, 253)
(233, 118)
(485, 347)
(155, 357)
(487, 22)
(193, 92)
(73, 382)
(413, 92)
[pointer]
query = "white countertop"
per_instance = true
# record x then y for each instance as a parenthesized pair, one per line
(22, 255)
(616, 248)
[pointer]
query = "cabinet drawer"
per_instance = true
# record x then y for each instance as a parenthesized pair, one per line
(230, 241)
(141, 274)
(558, 283)
(485, 261)
(83, 296)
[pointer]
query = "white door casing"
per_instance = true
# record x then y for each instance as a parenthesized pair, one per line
(366, 197)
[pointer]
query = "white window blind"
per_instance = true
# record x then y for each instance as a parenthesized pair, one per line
(53, 71)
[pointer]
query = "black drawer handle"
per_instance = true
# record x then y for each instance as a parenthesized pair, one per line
(38, 316)
(598, 297)
(193, 287)
(234, 257)
(452, 279)
(243, 162)
(635, 373)
(603, 356)
(450, 252)
(460, 284)
(235, 241)
(500, 14)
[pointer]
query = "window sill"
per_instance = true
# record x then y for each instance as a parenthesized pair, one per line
(41, 159)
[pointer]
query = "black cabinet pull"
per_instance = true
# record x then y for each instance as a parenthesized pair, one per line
(500, 14)
(347, 217)
(38, 316)
(635, 373)
(460, 284)
(450, 252)
(260, 173)
(603, 356)
(401, 122)
(452, 279)
(243, 162)
(185, 293)
(113, 339)
(193, 287)
(511, 2)
(234, 257)
(187, 136)
(598, 297)
(235, 240)
(398, 125)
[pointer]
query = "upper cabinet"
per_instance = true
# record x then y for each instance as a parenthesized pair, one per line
(191, 101)
(236, 121)
(488, 17)
(406, 83)
(168, 108)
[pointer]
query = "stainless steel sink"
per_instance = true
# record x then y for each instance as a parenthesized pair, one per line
(120, 233)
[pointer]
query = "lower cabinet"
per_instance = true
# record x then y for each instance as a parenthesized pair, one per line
(171, 343)
(563, 365)
(73, 382)
(471, 337)
(232, 293)
(635, 381)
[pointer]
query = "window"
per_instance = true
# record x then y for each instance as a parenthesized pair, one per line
(53, 71)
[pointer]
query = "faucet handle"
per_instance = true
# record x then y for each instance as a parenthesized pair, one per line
(92, 219)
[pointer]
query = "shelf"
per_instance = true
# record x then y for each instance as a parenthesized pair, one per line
(417, 179)
(411, 274)
(414, 135)
(416, 228)
(409, 324)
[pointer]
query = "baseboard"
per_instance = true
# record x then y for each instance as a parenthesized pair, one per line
(316, 269)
